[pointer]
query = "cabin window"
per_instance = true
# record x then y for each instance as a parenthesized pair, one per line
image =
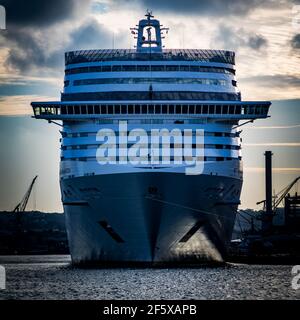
(116, 68)
(130, 109)
(143, 68)
(77, 109)
(157, 68)
(151, 108)
(172, 68)
(83, 110)
(144, 108)
(184, 109)
(129, 68)
(97, 109)
(164, 109)
(106, 68)
(137, 109)
(157, 109)
(123, 109)
(103, 109)
(184, 68)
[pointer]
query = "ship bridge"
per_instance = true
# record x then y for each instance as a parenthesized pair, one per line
(218, 110)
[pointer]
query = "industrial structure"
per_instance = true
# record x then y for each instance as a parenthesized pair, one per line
(271, 241)
(21, 206)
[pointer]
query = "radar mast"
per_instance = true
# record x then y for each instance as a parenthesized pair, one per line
(149, 34)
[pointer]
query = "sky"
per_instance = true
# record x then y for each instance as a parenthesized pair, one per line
(264, 34)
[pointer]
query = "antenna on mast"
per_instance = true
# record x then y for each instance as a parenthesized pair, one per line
(149, 15)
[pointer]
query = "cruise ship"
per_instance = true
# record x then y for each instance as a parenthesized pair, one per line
(127, 200)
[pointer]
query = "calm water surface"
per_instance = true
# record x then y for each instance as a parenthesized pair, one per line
(53, 277)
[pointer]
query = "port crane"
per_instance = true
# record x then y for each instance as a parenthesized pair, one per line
(22, 205)
(278, 198)
(18, 211)
(281, 195)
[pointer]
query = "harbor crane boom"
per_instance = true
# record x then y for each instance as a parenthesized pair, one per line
(22, 205)
(282, 194)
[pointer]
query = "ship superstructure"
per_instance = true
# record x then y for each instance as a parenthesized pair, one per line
(154, 210)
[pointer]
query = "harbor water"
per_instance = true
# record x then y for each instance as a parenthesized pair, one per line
(53, 277)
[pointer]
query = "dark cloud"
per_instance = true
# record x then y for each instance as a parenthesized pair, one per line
(41, 13)
(90, 36)
(257, 42)
(33, 33)
(26, 51)
(29, 53)
(295, 42)
(233, 39)
(204, 7)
